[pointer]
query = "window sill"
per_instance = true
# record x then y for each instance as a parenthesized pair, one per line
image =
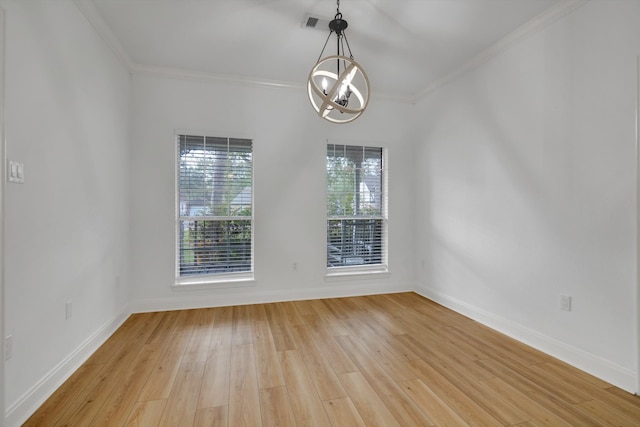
(214, 282)
(343, 273)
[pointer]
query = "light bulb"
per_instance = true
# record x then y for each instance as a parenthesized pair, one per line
(350, 77)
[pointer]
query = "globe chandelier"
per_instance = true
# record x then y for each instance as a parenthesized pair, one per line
(338, 87)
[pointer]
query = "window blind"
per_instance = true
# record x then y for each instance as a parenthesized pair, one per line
(215, 205)
(356, 216)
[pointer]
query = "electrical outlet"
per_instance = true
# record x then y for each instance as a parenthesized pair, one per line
(565, 302)
(16, 172)
(68, 307)
(295, 266)
(8, 347)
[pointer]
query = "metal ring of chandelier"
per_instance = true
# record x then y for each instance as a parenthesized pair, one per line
(337, 86)
(338, 98)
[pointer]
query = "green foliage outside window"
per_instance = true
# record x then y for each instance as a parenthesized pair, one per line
(215, 184)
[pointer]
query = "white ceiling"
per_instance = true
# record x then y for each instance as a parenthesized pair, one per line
(406, 46)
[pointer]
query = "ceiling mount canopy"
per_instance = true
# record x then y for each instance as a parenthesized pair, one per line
(338, 87)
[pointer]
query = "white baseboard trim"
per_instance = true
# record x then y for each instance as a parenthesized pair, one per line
(187, 300)
(20, 410)
(604, 369)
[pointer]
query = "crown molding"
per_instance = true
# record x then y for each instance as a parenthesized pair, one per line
(90, 12)
(544, 19)
(526, 30)
(208, 77)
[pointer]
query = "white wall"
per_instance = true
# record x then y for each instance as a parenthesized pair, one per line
(527, 170)
(2, 191)
(67, 112)
(521, 186)
(289, 188)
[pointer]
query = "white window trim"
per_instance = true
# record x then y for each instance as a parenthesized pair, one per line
(217, 281)
(367, 270)
(354, 271)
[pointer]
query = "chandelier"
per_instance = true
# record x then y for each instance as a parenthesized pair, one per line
(338, 87)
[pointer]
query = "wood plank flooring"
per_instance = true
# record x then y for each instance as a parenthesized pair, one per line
(383, 360)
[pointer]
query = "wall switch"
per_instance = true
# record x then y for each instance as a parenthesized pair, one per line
(16, 172)
(8, 347)
(565, 302)
(68, 306)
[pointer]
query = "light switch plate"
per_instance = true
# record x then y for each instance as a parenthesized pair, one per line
(565, 302)
(16, 172)
(68, 308)
(8, 347)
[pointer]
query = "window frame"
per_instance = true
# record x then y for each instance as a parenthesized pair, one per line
(224, 279)
(381, 268)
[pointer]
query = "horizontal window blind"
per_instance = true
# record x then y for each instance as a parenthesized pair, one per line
(356, 221)
(215, 203)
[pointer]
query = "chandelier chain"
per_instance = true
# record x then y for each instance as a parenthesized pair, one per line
(323, 47)
(348, 47)
(338, 87)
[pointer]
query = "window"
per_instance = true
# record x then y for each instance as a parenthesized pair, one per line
(215, 207)
(356, 207)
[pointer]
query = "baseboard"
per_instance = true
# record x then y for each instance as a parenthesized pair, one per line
(610, 372)
(188, 300)
(19, 411)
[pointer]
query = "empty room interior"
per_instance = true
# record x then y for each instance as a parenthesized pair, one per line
(207, 223)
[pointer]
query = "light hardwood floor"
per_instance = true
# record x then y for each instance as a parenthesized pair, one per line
(383, 360)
